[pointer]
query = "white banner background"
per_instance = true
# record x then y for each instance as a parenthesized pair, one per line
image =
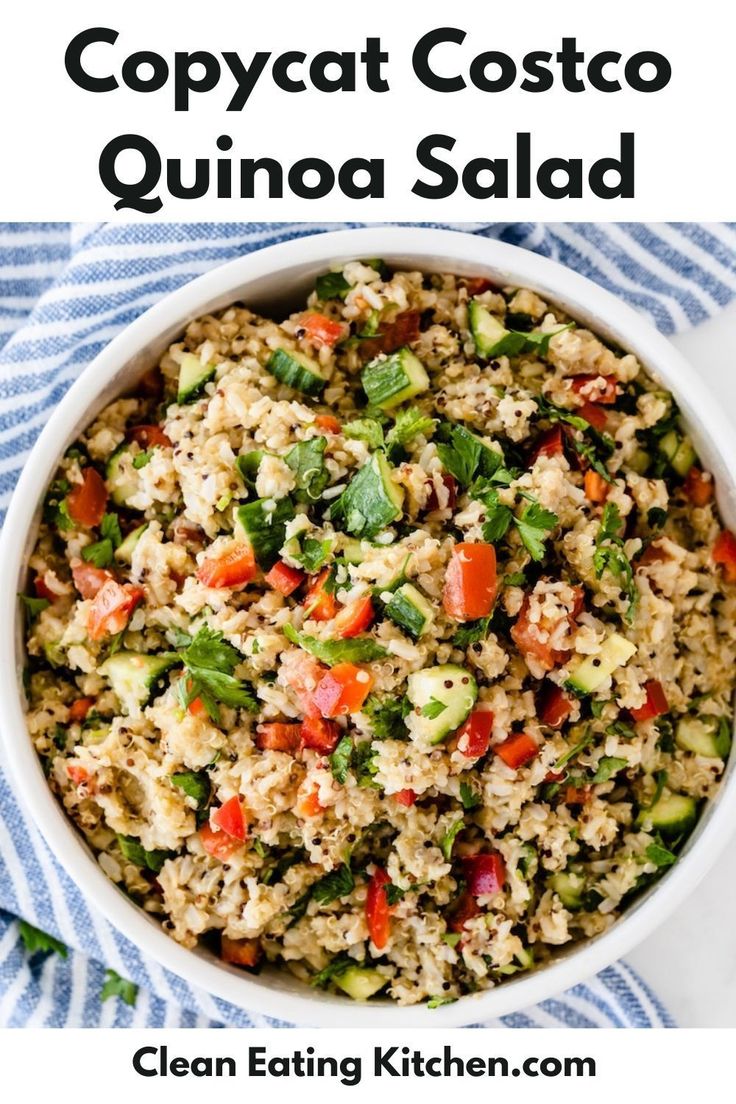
(69, 1065)
(53, 131)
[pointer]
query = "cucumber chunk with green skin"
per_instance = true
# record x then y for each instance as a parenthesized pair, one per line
(360, 982)
(490, 335)
(371, 500)
(124, 552)
(134, 676)
(120, 476)
(91, 736)
(193, 375)
(410, 610)
(55, 655)
(569, 887)
(640, 461)
(389, 381)
(672, 815)
(593, 671)
(264, 524)
(678, 451)
(352, 550)
(441, 699)
(706, 736)
(297, 370)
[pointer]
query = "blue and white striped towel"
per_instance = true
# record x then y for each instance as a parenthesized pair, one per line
(64, 293)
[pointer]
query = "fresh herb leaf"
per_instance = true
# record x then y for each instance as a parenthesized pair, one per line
(338, 883)
(99, 553)
(433, 708)
(248, 464)
(469, 798)
(110, 529)
(134, 851)
(35, 940)
(116, 986)
(394, 894)
(142, 458)
(573, 752)
(306, 460)
(332, 285)
(534, 526)
(539, 342)
(408, 425)
(461, 455)
(340, 759)
(313, 554)
(498, 518)
(448, 840)
(594, 446)
(355, 650)
(471, 632)
(365, 429)
(438, 1002)
(596, 708)
(387, 717)
(210, 661)
(514, 578)
(610, 556)
(195, 784)
(608, 766)
(451, 938)
(333, 969)
(656, 517)
(364, 764)
(33, 606)
(660, 855)
(660, 780)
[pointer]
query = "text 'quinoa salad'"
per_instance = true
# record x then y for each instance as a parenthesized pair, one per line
(392, 644)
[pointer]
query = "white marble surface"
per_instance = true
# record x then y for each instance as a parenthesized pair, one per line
(690, 961)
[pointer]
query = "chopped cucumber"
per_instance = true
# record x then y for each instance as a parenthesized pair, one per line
(672, 815)
(91, 736)
(410, 610)
(120, 475)
(193, 375)
(391, 380)
(593, 671)
(489, 334)
(569, 887)
(371, 500)
(134, 676)
(352, 550)
(360, 982)
(55, 655)
(263, 522)
(442, 697)
(706, 736)
(297, 370)
(640, 461)
(678, 451)
(124, 552)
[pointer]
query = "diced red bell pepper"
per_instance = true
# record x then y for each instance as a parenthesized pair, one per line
(526, 634)
(486, 873)
(77, 775)
(218, 843)
(111, 608)
(321, 330)
(79, 709)
(404, 330)
(319, 734)
(407, 798)
(284, 579)
(596, 388)
(724, 554)
(354, 618)
(229, 818)
(377, 911)
(596, 487)
(553, 705)
(699, 486)
(240, 952)
(88, 579)
(476, 285)
(465, 908)
(327, 423)
(233, 567)
(554, 776)
(87, 500)
(309, 804)
(594, 415)
(655, 705)
(278, 736)
(149, 436)
(197, 708)
(342, 690)
(549, 443)
(470, 581)
(474, 737)
(302, 673)
(432, 502)
(43, 591)
(320, 603)
(517, 749)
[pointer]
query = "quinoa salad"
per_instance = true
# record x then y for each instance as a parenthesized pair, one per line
(391, 644)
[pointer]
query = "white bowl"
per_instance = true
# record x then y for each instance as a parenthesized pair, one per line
(277, 279)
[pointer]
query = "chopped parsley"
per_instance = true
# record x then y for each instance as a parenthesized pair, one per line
(142, 458)
(340, 759)
(37, 941)
(209, 663)
(387, 717)
(448, 840)
(368, 430)
(469, 797)
(306, 460)
(332, 970)
(355, 650)
(101, 552)
(33, 606)
(534, 524)
(471, 632)
(660, 855)
(594, 446)
(464, 456)
(610, 556)
(134, 851)
(608, 766)
(433, 708)
(116, 986)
